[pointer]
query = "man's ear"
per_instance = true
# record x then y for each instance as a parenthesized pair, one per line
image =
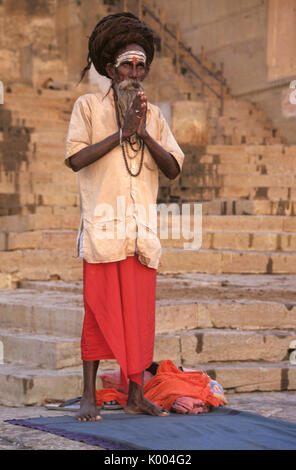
(110, 70)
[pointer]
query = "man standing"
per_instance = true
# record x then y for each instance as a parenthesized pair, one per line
(116, 142)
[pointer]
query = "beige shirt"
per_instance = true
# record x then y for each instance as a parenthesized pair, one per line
(118, 211)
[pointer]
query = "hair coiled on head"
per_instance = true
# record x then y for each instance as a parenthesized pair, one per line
(113, 33)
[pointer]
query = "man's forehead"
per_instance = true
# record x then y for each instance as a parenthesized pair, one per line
(133, 56)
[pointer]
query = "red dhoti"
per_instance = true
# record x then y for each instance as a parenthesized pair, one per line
(119, 320)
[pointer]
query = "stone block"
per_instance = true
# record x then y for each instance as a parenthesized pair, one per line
(248, 377)
(246, 315)
(167, 346)
(230, 241)
(176, 317)
(244, 262)
(191, 261)
(23, 387)
(277, 193)
(8, 281)
(284, 263)
(46, 352)
(189, 122)
(206, 346)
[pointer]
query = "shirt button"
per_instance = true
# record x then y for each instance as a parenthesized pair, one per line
(133, 193)
(133, 166)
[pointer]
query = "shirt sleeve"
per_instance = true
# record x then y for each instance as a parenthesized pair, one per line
(79, 131)
(168, 142)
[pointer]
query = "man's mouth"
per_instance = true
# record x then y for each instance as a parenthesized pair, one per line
(130, 84)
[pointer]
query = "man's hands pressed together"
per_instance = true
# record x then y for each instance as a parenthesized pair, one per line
(135, 120)
(134, 123)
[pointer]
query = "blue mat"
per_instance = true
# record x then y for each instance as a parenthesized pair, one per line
(221, 429)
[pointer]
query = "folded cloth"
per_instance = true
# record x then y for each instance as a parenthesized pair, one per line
(189, 405)
(114, 380)
(169, 385)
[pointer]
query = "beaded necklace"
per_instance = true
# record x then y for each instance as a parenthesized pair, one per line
(136, 144)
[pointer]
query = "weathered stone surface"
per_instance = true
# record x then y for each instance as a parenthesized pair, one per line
(189, 122)
(33, 350)
(167, 347)
(252, 377)
(176, 317)
(23, 386)
(215, 345)
(42, 264)
(42, 239)
(21, 223)
(175, 260)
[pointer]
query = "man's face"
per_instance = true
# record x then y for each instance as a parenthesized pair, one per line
(127, 75)
(130, 69)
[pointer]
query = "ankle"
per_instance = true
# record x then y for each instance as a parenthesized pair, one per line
(89, 396)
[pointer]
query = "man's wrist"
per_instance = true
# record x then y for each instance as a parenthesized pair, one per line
(125, 135)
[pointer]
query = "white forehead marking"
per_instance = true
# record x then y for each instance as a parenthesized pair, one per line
(131, 56)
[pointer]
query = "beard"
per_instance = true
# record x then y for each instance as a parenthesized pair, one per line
(126, 92)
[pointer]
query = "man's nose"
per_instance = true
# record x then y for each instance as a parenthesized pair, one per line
(134, 71)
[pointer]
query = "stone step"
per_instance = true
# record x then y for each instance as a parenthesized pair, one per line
(66, 239)
(53, 113)
(43, 200)
(255, 284)
(251, 153)
(227, 180)
(216, 207)
(13, 207)
(41, 264)
(49, 135)
(27, 181)
(203, 193)
(32, 120)
(250, 376)
(21, 90)
(225, 223)
(212, 345)
(41, 351)
(63, 264)
(256, 118)
(207, 345)
(236, 241)
(21, 386)
(247, 207)
(21, 223)
(176, 260)
(210, 223)
(237, 168)
(59, 311)
(35, 101)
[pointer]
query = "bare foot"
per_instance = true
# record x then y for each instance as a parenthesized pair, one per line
(88, 411)
(144, 406)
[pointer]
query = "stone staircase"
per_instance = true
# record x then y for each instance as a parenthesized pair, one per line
(227, 308)
(210, 323)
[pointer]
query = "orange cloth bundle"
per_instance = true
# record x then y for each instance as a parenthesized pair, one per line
(168, 385)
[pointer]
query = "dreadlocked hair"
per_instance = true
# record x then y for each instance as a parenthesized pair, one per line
(111, 34)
